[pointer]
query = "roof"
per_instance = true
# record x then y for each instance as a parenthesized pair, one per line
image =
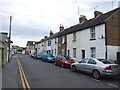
(89, 23)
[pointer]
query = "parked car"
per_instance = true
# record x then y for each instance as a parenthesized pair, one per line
(48, 58)
(37, 55)
(64, 61)
(96, 67)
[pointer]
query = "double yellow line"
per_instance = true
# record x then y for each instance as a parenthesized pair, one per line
(25, 83)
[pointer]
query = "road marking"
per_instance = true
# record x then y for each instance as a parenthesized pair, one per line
(25, 83)
(21, 76)
(113, 85)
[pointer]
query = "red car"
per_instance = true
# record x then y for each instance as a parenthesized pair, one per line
(64, 61)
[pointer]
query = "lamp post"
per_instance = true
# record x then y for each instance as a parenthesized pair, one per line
(9, 38)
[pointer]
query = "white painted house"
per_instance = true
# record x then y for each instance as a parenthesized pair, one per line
(97, 37)
(54, 44)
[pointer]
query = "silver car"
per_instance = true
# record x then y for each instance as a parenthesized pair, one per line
(96, 67)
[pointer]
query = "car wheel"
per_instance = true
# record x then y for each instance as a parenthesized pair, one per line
(62, 65)
(74, 69)
(96, 74)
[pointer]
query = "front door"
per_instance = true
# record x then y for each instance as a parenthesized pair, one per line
(83, 54)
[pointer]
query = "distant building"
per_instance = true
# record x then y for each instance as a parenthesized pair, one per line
(30, 47)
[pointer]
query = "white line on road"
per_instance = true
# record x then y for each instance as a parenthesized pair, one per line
(113, 85)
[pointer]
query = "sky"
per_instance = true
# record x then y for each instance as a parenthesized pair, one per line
(33, 19)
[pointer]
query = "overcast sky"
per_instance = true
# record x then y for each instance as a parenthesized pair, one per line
(33, 19)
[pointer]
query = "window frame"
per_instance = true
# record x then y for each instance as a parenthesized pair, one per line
(74, 36)
(93, 53)
(74, 52)
(92, 33)
(63, 39)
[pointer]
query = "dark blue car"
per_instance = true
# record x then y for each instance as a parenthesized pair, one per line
(48, 58)
(37, 55)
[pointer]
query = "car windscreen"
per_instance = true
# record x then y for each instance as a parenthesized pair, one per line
(39, 53)
(67, 58)
(49, 55)
(105, 61)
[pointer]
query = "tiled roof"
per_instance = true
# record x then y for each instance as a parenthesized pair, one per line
(89, 23)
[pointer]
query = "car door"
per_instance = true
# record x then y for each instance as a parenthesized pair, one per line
(90, 65)
(58, 60)
(82, 64)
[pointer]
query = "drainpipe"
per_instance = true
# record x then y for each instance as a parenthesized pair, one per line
(106, 53)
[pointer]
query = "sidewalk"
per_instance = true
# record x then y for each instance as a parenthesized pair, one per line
(10, 74)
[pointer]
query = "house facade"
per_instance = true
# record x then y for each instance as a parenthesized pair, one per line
(54, 44)
(97, 37)
(3, 49)
(30, 47)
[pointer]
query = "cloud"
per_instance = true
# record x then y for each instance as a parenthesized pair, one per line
(33, 19)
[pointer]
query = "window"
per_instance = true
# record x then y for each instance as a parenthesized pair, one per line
(49, 42)
(93, 52)
(63, 39)
(91, 61)
(55, 40)
(55, 52)
(52, 52)
(74, 36)
(74, 52)
(62, 51)
(92, 33)
(83, 61)
(68, 52)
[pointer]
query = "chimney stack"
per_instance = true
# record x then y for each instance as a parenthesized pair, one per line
(97, 13)
(61, 27)
(45, 37)
(82, 19)
(51, 33)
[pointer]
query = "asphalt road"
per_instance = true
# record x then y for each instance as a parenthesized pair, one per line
(47, 75)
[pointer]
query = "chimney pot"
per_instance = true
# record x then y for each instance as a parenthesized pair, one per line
(97, 13)
(51, 33)
(45, 37)
(82, 19)
(61, 27)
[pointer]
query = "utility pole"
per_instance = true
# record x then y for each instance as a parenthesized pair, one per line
(9, 39)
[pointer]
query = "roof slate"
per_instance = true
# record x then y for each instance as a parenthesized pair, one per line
(89, 23)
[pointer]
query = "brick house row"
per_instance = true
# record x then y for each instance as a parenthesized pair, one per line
(97, 38)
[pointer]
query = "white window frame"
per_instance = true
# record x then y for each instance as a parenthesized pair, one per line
(63, 39)
(74, 52)
(93, 52)
(74, 36)
(92, 33)
(63, 51)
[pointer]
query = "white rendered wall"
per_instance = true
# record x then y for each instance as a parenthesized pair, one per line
(74, 44)
(99, 43)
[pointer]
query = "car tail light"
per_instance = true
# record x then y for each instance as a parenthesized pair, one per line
(108, 68)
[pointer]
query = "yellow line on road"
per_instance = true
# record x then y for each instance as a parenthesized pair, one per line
(25, 83)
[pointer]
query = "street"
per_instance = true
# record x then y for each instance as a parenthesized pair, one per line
(41, 74)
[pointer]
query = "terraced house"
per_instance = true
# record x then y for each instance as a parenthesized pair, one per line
(97, 37)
